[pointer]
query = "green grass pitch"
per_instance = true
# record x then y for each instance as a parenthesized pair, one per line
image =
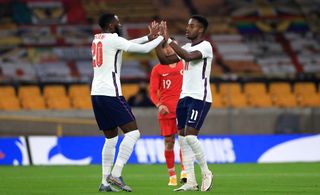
(295, 178)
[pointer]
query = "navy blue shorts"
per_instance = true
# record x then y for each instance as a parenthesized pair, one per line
(191, 112)
(111, 112)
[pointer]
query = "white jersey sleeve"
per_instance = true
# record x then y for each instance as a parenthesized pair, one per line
(146, 47)
(140, 40)
(122, 43)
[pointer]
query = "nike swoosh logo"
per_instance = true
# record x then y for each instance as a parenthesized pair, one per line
(165, 75)
(191, 121)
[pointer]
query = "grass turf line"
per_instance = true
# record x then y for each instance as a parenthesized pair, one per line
(292, 178)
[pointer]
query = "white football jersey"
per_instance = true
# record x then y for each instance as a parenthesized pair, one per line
(196, 75)
(107, 49)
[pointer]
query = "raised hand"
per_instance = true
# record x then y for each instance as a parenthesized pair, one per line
(163, 30)
(153, 30)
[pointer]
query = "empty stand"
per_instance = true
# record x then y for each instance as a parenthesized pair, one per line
(129, 90)
(79, 90)
(304, 88)
(286, 100)
(29, 92)
(257, 95)
(7, 92)
(280, 88)
(59, 103)
(251, 89)
(310, 100)
(260, 101)
(236, 101)
(82, 103)
(33, 103)
(8, 99)
(217, 101)
(52, 91)
(230, 88)
(9, 104)
(80, 97)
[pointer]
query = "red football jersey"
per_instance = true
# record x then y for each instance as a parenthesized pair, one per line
(165, 87)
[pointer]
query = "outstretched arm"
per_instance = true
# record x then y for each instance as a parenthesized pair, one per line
(146, 47)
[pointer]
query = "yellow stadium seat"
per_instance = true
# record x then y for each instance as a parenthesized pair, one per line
(54, 91)
(304, 88)
(82, 103)
(79, 90)
(29, 92)
(280, 88)
(260, 101)
(217, 101)
(59, 103)
(236, 101)
(310, 100)
(254, 88)
(7, 91)
(229, 88)
(10, 104)
(285, 100)
(129, 90)
(34, 103)
(213, 89)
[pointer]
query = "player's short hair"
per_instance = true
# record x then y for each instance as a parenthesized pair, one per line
(106, 19)
(202, 20)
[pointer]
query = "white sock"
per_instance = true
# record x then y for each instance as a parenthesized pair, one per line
(195, 145)
(108, 151)
(125, 151)
(188, 160)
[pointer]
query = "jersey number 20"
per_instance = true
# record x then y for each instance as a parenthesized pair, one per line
(96, 50)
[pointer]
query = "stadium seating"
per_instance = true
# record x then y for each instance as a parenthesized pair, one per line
(80, 97)
(260, 101)
(48, 41)
(280, 88)
(7, 92)
(9, 103)
(285, 100)
(217, 101)
(238, 100)
(8, 99)
(304, 88)
(28, 92)
(59, 103)
(79, 90)
(52, 91)
(250, 89)
(310, 100)
(33, 103)
(257, 95)
(129, 90)
(56, 97)
(82, 103)
(230, 88)
(31, 98)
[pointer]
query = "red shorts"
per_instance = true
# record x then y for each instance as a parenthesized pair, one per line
(168, 126)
